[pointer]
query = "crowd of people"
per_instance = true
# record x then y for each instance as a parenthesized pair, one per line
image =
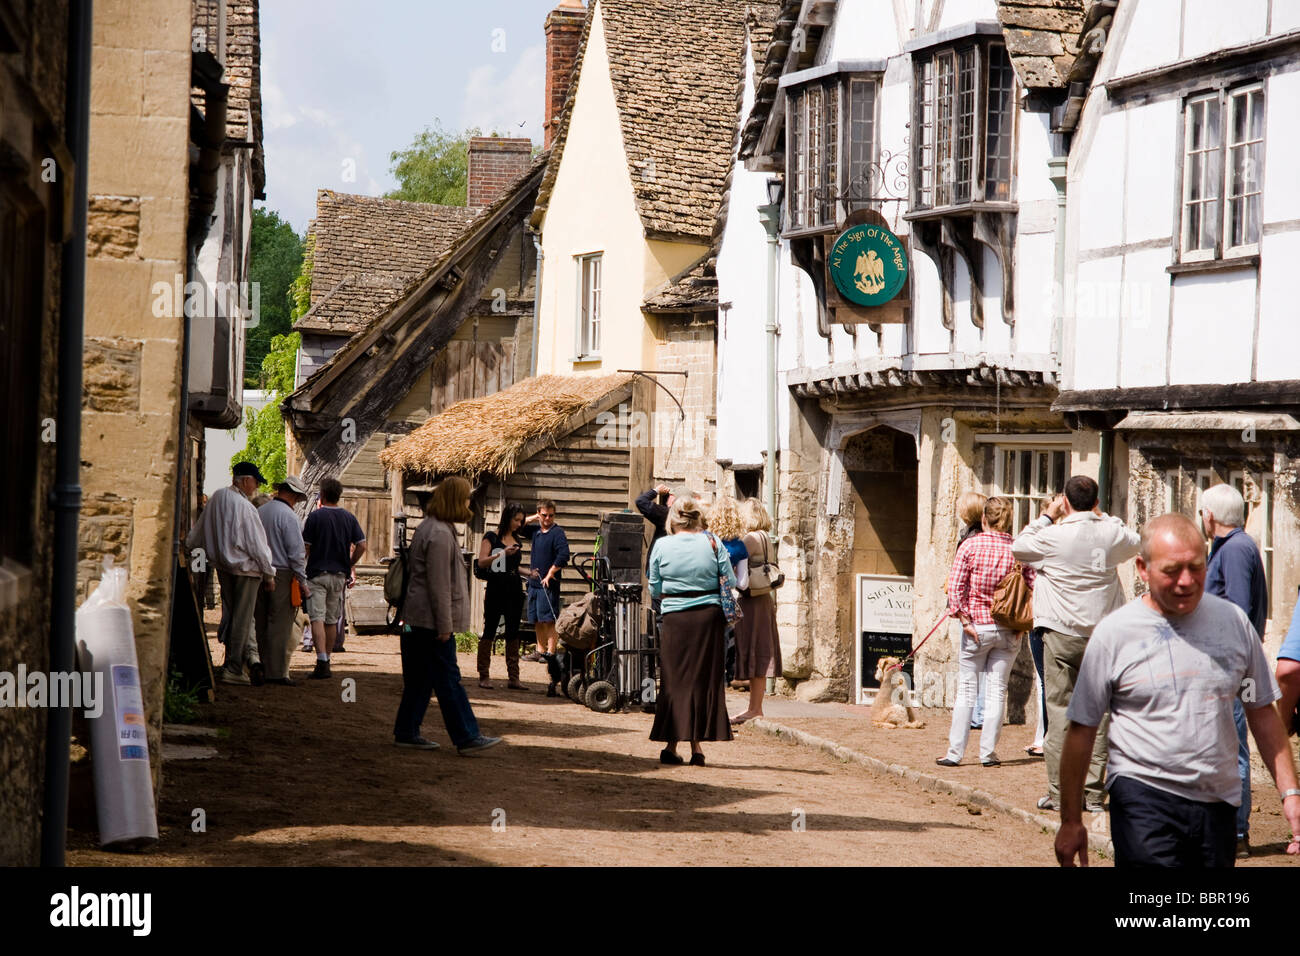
(1146, 704)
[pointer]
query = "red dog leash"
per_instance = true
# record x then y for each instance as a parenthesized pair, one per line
(946, 614)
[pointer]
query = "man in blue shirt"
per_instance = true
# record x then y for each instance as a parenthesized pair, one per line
(1236, 573)
(549, 553)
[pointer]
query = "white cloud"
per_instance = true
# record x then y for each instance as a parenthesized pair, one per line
(507, 97)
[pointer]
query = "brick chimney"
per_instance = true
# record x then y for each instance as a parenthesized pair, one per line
(494, 163)
(563, 32)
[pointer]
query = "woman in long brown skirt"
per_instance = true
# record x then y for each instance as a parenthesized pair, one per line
(684, 571)
(758, 645)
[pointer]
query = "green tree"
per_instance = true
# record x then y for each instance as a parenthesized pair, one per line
(276, 258)
(266, 447)
(433, 168)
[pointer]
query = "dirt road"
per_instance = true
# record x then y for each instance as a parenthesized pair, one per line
(303, 777)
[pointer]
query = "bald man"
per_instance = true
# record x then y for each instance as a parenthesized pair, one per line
(1167, 666)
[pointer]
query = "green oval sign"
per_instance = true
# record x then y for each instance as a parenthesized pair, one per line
(868, 264)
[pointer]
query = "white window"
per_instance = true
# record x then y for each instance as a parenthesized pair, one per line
(1223, 153)
(831, 132)
(1027, 476)
(589, 286)
(965, 117)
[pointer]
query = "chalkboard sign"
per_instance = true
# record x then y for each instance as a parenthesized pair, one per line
(884, 626)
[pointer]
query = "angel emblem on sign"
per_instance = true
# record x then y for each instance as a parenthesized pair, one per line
(869, 275)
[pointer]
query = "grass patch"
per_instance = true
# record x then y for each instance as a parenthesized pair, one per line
(181, 703)
(466, 641)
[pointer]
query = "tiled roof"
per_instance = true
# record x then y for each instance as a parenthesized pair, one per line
(1043, 38)
(695, 290)
(769, 67)
(675, 67)
(244, 74)
(367, 251)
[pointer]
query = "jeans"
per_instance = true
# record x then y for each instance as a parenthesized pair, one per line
(977, 717)
(993, 654)
(429, 667)
(501, 606)
(1243, 768)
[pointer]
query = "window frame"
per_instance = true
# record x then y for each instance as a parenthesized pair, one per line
(813, 205)
(1222, 217)
(1030, 498)
(587, 320)
(943, 99)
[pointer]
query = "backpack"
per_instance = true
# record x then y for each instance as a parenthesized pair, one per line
(765, 576)
(1013, 601)
(396, 583)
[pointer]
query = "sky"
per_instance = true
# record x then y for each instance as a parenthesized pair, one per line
(344, 83)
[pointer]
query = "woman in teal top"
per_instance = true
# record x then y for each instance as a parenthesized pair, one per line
(684, 571)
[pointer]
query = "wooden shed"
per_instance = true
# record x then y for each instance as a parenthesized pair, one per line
(573, 439)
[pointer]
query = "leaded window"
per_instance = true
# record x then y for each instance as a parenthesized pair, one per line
(831, 140)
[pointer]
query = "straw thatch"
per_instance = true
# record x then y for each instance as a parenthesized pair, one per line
(486, 435)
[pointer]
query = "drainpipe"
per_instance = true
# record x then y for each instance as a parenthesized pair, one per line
(1058, 167)
(770, 216)
(1103, 470)
(537, 298)
(66, 497)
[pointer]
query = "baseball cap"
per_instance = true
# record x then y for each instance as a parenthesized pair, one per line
(247, 468)
(294, 484)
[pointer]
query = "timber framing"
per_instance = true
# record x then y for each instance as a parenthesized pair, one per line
(336, 411)
(1282, 396)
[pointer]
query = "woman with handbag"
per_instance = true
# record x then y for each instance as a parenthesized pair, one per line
(436, 609)
(987, 647)
(499, 556)
(690, 574)
(758, 645)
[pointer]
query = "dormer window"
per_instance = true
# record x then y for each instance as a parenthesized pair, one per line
(831, 145)
(963, 146)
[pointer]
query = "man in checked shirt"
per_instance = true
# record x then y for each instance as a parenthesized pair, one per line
(1076, 559)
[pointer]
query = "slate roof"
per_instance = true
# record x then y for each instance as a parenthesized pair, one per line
(1042, 38)
(367, 252)
(675, 68)
(694, 290)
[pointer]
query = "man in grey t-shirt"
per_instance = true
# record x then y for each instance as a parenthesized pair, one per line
(1167, 667)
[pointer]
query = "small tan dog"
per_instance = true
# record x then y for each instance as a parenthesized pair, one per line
(892, 707)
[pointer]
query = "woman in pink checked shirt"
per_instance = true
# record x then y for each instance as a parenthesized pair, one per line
(982, 561)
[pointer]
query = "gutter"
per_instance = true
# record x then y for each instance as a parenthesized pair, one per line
(66, 497)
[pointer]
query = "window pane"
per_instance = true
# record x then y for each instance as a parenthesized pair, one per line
(965, 131)
(945, 123)
(831, 165)
(998, 146)
(861, 145)
(1040, 487)
(1058, 473)
(926, 139)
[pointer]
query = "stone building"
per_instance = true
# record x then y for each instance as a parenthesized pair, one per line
(628, 209)
(176, 163)
(902, 119)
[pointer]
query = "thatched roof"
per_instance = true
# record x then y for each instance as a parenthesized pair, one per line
(487, 435)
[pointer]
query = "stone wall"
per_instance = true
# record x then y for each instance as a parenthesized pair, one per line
(685, 450)
(32, 102)
(139, 197)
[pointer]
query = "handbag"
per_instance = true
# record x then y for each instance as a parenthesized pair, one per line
(730, 606)
(767, 575)
(1013, 601)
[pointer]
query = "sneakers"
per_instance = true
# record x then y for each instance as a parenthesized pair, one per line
(535, 657)
(322, 670)
(233, 677)
(417, 743)
(478, 745)
(991, 761)
(1047, 803)
(945, 762)
(256, 674)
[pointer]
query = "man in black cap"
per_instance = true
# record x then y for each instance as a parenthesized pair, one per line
(230, 537)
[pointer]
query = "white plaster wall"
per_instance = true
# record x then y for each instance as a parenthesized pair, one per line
(1279, 332)
(957, 12)
(1035, 291)
(1096, 327)
(1282, 144)
(997, 334)
(1096, 198)
(865, 29)
(592, 209)
(1144, 311)
(742, 282)
(1152, 153)
(1212, 327)
(1284, 16)
(1212, 25)
(927, 308)
(1151, 38)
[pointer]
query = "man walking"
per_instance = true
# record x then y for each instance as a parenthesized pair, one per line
(549, 553)
(1166, 667)
(335, 543)
(234, 542)
(1235, 573)
(1077, 585)
(288, 553)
